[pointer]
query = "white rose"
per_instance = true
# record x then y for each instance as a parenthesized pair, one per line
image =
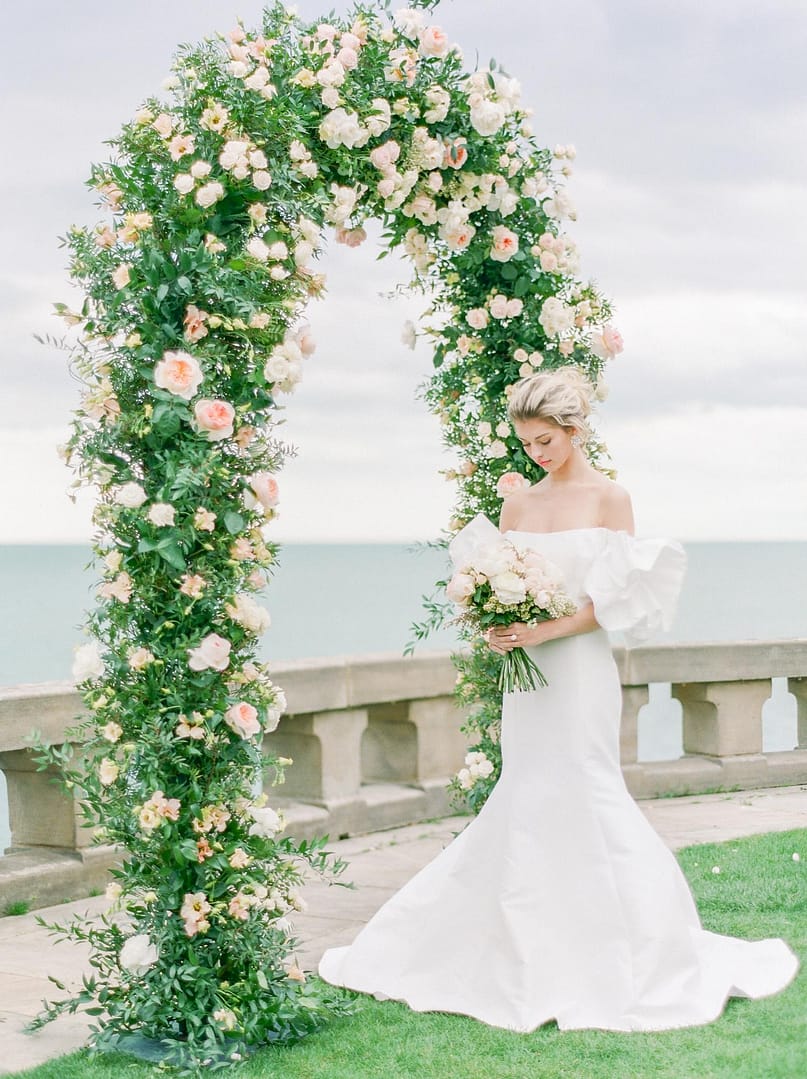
(487, 117)
(258, 249)
(161, 513)
(266, 823)
(209, 194)
(87, 662)
(184, 183)
(130, 495)
(138, 954)
(556, 316)
(509, 587)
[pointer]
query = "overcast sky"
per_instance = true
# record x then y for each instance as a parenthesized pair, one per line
(690, 182)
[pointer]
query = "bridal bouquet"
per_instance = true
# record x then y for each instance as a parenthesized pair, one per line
(496, 584)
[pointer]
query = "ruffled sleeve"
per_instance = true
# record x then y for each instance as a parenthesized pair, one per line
(479, 532)
(634, 584)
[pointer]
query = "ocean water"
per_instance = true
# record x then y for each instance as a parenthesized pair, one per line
(335, 599)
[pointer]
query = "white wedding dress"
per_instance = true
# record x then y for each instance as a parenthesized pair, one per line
(559, 900)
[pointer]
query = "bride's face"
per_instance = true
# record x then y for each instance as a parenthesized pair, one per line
(545, 442)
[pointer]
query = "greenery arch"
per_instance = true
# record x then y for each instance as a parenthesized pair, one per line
(190, 336)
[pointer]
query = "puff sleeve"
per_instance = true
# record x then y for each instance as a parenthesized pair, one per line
(634, 584)
(479, 532)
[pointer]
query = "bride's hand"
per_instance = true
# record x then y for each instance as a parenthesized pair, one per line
(504, 639)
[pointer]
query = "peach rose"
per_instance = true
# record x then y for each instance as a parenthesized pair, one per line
(121, 275)
(194, 322)
(212, 652)
(477, 318)
(242, 718)
(350, 237)
(214, 418)
(433, 41)
(504, 244)
(455, 154)
(179, 373)
(510, 483)
(163, 125)
(265, 488)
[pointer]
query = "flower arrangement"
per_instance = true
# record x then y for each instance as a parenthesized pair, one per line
(190, 336)
(497, 584)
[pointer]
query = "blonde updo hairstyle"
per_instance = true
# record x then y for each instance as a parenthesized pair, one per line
(562, 396)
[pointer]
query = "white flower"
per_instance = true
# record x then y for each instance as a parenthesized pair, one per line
(266, 822)
(87, 662)
(184, 183)
(439, 101)
(342, 128)
(408, 21)
(249, 614)
(509, 587)
(380, 117)
(209, 194)
(108, 772)
(409, 334)
(161, 513)
(130, 495)
(556, 316)
(487, 117)
(138, 954)
(258, 249)
(560, 205)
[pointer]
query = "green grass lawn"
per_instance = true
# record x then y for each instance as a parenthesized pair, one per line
(759, 892)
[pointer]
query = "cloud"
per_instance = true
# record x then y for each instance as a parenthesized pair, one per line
(689, 184)
(714, 472)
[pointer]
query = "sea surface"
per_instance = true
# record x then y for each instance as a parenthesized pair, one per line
(337, 599)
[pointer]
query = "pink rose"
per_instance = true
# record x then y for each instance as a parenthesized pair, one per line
(606, 342)
(514, 307)
(215, 418)
(460, 587)
(477, 318)
(242, 718)
(433, 41)
(498, 306)
(179, 373)
(511, 482)
(213, 651)
(384, 156)
(386, 187)
(265, 488)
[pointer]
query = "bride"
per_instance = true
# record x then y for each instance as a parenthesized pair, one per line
(559, 900)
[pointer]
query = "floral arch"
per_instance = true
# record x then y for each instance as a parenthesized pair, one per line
(191, 338)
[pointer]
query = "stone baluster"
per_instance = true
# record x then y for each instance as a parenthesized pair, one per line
(417, 742)
(724, 720)
(633, 700)
(798, 687)
(326, 750)
(42, 813)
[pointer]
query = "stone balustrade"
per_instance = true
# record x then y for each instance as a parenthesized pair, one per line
(375, 738)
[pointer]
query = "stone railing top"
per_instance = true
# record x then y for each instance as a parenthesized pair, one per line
(336, 682)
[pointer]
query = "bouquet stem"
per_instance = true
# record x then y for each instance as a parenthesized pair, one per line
(518, 673)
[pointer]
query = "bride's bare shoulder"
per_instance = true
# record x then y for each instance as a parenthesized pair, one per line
(513, 508)
(616, 508)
